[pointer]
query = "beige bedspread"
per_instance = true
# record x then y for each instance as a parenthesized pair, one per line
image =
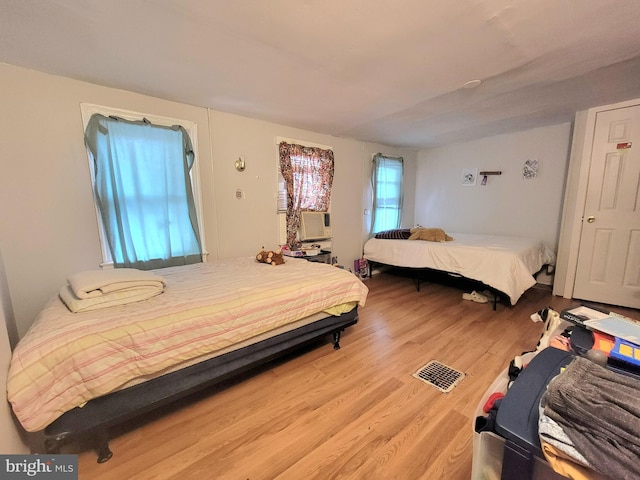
(69, 358)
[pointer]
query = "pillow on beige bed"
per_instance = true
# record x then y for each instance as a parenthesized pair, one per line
(429, 234)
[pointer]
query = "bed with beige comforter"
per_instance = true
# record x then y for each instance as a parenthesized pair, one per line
(68, 359)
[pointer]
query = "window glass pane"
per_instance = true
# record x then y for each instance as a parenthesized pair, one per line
(143, 191)
(387, 188)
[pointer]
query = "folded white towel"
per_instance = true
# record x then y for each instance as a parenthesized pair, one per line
(94, 283)
(119, 297)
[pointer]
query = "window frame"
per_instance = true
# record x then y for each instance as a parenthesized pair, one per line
(281, 193)
(374, 189)
(87, 110)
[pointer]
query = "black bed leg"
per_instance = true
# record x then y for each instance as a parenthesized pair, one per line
(51, 445)
(336, 340)
(102, 447)
(104, 453)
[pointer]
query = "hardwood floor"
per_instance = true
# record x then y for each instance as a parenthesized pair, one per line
(355, 413)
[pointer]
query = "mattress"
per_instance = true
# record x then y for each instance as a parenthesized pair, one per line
(501, 262)
(67, 359)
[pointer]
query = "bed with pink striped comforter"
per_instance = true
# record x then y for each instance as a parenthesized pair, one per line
(66, 359)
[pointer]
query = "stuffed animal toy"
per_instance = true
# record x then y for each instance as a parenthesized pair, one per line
(429, 234)
(270, 257)
(275, 258)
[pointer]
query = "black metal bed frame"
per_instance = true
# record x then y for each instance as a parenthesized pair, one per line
(93, 422)
(418, 275)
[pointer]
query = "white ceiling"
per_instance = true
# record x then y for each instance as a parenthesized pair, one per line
(382, 71)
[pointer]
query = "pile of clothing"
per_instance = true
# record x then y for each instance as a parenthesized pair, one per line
(590, 421)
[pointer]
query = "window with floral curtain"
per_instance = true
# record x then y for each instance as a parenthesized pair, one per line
(386, 181)
(308, 176)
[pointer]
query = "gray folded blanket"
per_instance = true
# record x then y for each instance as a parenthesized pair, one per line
(599, 411)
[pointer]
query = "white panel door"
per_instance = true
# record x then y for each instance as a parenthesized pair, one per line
(608, 269)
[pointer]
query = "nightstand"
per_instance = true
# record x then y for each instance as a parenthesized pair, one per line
(323, 257)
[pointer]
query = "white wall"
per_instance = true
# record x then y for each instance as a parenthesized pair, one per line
(248, 224)
(507, 205)
(10, 442)
(48, 226)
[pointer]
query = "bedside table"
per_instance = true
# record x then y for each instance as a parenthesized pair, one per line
(323, 257)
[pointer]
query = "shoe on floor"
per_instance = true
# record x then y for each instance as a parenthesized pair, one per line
(475, 296)
(489, 294)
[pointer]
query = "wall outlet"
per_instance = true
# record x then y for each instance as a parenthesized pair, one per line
(239, 194)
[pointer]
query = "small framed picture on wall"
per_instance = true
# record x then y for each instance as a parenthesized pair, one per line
(530, 169)
(469, 177)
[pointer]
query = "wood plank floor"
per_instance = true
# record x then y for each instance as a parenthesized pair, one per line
(355, 413)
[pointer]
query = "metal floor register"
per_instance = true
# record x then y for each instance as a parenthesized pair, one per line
(441, 376)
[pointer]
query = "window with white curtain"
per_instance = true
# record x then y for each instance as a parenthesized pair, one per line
(386, 180)
(145, 194)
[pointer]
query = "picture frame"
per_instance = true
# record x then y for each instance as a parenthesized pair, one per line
(469, 177)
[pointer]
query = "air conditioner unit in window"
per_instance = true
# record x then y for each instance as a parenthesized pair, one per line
(315, 226)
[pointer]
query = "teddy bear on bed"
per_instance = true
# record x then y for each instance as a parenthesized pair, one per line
(429, 234)
(270, 257)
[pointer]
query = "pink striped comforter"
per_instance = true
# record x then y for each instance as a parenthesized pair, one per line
(67, 359)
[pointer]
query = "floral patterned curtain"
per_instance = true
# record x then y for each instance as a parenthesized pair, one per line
(308, 174)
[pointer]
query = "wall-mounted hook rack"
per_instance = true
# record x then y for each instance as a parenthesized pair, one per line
(494, 172)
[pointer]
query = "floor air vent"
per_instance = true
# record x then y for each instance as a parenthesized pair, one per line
(442, 377)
